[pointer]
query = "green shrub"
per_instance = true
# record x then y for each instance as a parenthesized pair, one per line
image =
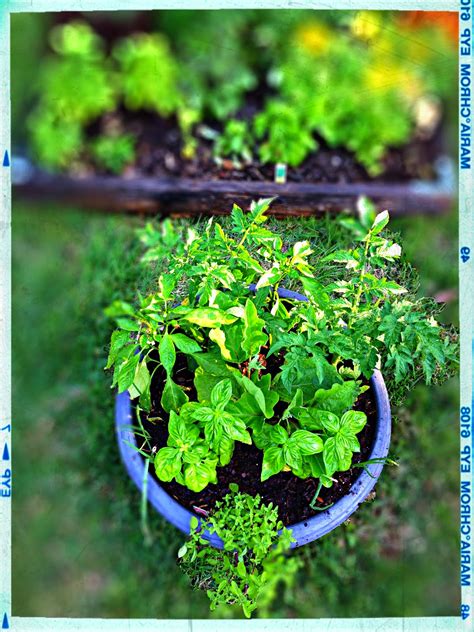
(114, 152)
(235, 141)
(149, 74)
(76, 89)
(283, 134)
(252, 564)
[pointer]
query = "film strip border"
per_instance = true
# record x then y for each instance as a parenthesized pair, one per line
(466, 276)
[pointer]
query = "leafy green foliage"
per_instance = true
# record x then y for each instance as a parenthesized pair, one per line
(278, 87)
(283, 134)
(200, 437)
(149, 74)
(113, 152)
(229, 336)
(253, 560)
(356, 118)
(236, 141)
(76, 88)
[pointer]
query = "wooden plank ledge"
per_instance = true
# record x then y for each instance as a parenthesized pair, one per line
(187, 197)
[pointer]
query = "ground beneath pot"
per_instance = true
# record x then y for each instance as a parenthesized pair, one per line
(292, 495)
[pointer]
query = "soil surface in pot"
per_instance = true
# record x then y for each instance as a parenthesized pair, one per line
(159, 144)
(292, 495)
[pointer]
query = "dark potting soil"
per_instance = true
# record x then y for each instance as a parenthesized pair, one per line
(159, 145)
(292, 495)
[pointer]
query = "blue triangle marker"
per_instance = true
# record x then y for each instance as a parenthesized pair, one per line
(6, 455)
(5, 624)
(6, 159)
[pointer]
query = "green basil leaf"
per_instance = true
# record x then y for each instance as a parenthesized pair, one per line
(273, 462)
(203, 413)
(167, 463)
(329, 421)
(235, 428)
(353, 421)
(221, 394)
(226, 449)
(179, 432)
(330, 456)
(197, 476)
(278, 434)
(306, 442)
(293, 455)
(213, 431)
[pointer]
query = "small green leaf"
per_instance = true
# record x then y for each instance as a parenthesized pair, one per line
(380, 222)
(166, 284)
(167, 353)
(185, 344)
(221, 394)
(329, 421)
(118, 341)
(269, 277)
(218, 336)
(173, 396)
(119, 308)
(179, 432)
(306, 442)
(278, 434)
(167, 463)
(236, 428)
(253, 335)
(198, 475)
(293, 455)
(203, 413)
(273, 462)
(337, 399)
(182, 551)
(209, 317)
(353, 421)
(126, 373)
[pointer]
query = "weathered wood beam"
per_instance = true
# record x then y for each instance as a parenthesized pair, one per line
(177, 196)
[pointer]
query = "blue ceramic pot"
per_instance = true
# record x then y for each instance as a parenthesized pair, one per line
(303, 532)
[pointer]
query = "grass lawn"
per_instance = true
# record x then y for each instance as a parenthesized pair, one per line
(77, 546)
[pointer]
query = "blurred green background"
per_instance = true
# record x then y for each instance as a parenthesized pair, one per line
(77, 546)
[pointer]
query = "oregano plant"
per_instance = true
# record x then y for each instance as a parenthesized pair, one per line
(253, 560)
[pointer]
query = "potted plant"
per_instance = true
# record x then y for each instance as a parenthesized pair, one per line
(226, 378)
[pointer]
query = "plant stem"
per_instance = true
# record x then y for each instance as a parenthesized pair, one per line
(144, 506)
(315, 497)
(358, 295)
